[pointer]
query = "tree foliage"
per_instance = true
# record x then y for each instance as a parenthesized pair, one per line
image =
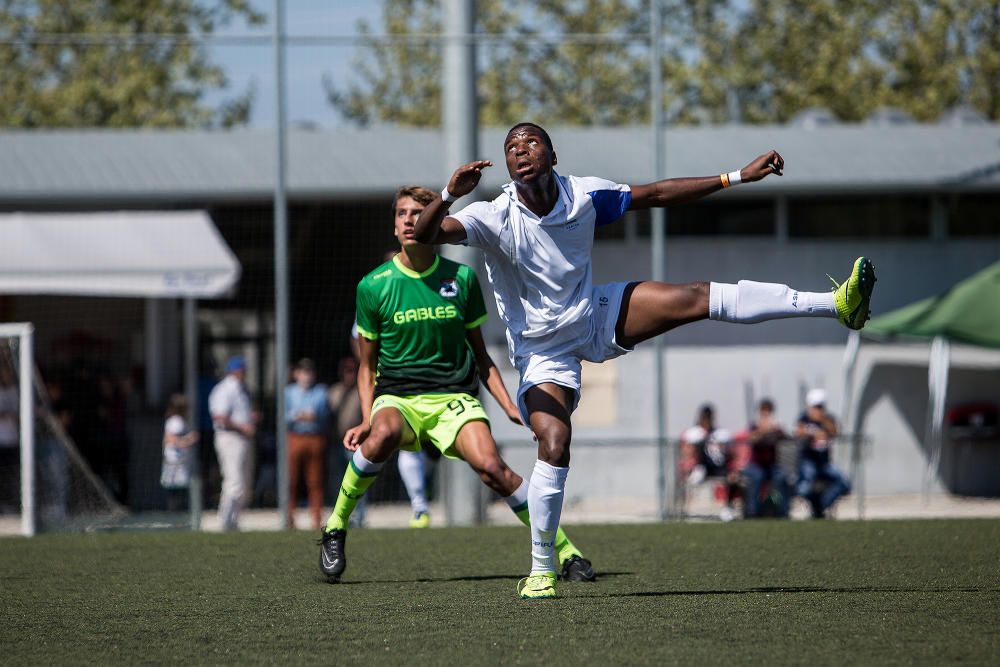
(753, 61)
(399, 81)
(60, 69)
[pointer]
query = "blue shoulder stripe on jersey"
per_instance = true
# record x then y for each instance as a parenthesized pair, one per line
(610, 204)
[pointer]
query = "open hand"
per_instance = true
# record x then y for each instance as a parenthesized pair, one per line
(766, 164)
(466, 178)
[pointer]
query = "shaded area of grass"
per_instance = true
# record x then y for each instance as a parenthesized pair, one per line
(821, 593)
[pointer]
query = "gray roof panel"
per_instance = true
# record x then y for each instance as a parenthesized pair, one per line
(142, 165)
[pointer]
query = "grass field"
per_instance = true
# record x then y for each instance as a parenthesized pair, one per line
(903, 592)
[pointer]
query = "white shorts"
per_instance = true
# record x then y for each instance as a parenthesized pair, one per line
(538, 363)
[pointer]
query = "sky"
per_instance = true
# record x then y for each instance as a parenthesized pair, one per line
(305, 65)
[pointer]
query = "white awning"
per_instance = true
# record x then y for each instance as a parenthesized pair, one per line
(121, 253)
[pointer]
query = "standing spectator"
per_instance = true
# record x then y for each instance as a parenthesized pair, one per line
(306, 414)
(53, 465)
(10, 442)
(235, 428)
(816, 430)
(765, 435)
(345, 406)
(179, 452)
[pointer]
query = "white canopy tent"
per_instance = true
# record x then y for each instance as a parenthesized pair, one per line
(125, 253)
(141, 254)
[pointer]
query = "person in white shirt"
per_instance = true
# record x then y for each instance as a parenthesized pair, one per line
(537, 238)
(178, 452)
(235, 427)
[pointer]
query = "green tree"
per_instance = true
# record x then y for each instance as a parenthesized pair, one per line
(774, 59)
(398, 81)
(755, 61)
(941, 53)
(982, 56)
(798, 54)
(93, 81)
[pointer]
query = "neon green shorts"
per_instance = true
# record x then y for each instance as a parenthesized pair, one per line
(434, 418)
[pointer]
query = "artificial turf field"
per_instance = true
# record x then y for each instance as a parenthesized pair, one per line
(895, 592)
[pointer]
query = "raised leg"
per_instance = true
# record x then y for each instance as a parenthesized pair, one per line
(652, 308)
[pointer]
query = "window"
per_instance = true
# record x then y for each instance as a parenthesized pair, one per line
(874, 216)
(974, 215)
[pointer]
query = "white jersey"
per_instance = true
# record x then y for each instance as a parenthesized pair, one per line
(540, 268)
(230, 399)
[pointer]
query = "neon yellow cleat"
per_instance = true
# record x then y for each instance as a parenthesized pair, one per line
(538, 586)
(421, 520)
(853, 296)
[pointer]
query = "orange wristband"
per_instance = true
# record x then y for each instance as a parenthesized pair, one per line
(725, 180)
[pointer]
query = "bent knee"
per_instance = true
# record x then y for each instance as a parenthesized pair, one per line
(553, 447)
(383, 439)
(695, 295)
(492, 471)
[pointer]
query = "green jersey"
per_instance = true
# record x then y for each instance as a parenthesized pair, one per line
(420, 321)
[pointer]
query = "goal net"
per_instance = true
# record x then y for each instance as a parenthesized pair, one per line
(45, 484)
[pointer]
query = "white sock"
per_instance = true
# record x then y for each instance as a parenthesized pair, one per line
(545, 499)
(748, 302)
(411, 470)
(363, 464)
(519, 497)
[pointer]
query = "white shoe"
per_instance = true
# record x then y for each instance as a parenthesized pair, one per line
(727, 514)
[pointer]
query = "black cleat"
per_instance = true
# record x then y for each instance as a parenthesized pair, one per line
(332, 561)
(577, 568)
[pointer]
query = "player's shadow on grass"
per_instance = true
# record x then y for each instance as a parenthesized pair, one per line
(806, 589)
(471, 577)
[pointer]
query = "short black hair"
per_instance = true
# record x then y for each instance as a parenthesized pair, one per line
(541, 131)
(766, 404)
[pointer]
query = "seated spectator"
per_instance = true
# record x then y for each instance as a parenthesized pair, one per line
(705, 448)
(764, 435)
(816, 430)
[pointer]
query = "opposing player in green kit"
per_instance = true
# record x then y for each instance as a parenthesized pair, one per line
(422, 357)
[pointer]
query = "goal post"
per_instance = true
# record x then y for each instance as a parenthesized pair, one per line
(24, 332)
(46, 484)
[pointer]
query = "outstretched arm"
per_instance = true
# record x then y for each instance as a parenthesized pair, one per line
(683, 190)
(490, 375)
(434, 225)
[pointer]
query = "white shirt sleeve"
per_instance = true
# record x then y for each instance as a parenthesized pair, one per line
(219, 403)
(480, 222)
(611, 200)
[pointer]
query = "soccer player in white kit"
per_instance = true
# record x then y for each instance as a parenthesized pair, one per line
(537, 238)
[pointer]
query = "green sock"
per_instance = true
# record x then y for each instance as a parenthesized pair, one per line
(564, 548)
(352, 489)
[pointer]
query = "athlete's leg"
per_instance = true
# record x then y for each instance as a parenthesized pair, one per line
(651, 308)
(477, 447)
(548, 406)
(411, 470)
(389, 429)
